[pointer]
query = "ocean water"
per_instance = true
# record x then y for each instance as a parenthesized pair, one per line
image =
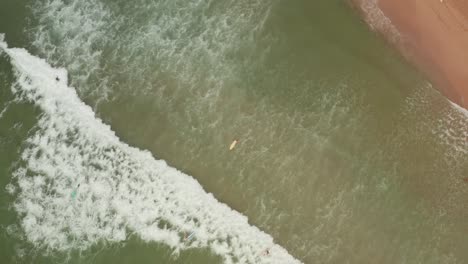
(116, 119)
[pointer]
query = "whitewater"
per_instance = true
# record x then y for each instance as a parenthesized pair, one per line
(77, 184)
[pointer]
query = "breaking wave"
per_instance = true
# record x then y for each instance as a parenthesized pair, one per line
(78, 184)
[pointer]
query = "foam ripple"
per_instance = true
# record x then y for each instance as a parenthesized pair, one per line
(79, 184)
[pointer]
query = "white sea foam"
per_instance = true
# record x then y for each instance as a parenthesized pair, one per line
(450, 125)
(460, 109)
(74, 34)
(79, 184)
(378, 21)
(4, 110)
(452, 130)
(147, 41)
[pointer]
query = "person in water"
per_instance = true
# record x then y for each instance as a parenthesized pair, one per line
(189, 237)
(73, 194)
(57, 78)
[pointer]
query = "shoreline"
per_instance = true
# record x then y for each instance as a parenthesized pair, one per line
(431, 34)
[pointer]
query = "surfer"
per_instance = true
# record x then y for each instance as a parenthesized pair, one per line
(187, 238)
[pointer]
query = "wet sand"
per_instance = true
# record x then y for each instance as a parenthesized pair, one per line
(433, 34)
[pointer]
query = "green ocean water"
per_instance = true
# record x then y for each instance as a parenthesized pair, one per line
(346, 154)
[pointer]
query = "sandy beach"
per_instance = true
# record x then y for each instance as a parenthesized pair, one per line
(433, 34)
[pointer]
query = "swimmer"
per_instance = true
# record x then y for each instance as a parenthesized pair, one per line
(57, 78)
(73, 194)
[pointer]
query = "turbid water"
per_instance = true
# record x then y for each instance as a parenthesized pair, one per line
(345, 153)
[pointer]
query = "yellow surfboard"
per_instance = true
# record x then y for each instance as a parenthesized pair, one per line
(233, 145)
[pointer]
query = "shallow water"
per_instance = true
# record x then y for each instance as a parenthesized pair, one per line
(345, 153)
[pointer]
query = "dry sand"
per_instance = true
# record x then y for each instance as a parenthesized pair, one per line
(433, 34)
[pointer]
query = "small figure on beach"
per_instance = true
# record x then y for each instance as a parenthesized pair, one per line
(233, 144)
